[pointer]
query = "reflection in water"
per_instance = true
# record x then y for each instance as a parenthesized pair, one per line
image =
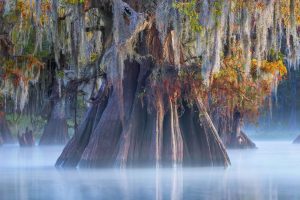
(158, 193)
(271, 172)
(177, 186)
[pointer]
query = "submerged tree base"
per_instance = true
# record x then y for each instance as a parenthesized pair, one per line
(5, 133)
(297, 140)
(55, 132)
(137, 129)
(26, 139)
(241, 142)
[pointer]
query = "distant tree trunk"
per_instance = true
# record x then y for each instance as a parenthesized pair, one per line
(229, 126)
(56, 129)
(238, 139)
(26, 139)
(297, 140)
(5, 133)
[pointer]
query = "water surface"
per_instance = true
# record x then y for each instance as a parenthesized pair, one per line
(270, 172)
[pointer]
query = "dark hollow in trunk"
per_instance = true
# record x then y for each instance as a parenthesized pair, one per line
(127, 128)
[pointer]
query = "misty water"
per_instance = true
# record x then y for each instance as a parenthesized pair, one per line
(270, 172)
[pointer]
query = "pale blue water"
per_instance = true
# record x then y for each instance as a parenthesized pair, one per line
(270, 172)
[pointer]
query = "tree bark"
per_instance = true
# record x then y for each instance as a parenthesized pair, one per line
(76, 146)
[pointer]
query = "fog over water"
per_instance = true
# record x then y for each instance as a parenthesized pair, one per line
(270, 172)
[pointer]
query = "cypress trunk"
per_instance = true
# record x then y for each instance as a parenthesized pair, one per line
(128, 130)
(56, 130)
(238, 139)
(138, 117)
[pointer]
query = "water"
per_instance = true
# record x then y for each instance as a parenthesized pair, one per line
(270, 172)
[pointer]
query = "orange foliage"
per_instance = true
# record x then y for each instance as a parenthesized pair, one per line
(232, 88)
(27, 8)
(16, 70)
(269, 67)
(285, 10)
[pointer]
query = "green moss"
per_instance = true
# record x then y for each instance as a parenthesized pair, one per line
(189, 9)
(19, 122)
(60, 74)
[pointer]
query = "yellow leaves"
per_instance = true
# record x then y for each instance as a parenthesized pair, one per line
(61, 11)
(89, 35)
(94, 56)
(27, 11)
(232, 87)
(45, 9)
(74, 1)
(281, 68)
(286, 12)
(24, 7)
(251, 5)
(269, 67)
